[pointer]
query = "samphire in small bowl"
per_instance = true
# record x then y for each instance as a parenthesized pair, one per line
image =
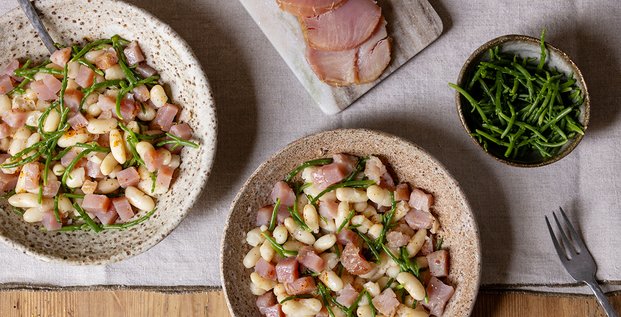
(526, 47)
(409, 163)
(71, 22)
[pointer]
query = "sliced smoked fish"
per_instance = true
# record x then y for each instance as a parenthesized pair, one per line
(309, 8)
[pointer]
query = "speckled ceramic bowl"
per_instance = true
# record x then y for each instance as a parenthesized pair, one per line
(71, 21)
(524, 46)
(410, 164)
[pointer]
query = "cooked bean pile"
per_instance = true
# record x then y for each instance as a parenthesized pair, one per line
(345, 240)
(87, 138)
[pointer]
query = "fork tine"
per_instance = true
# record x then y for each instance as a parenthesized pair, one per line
(562, 254)
(568, 244)
(575, 236)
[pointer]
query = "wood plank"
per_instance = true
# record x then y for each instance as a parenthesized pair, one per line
(135, 303)
(412, 24)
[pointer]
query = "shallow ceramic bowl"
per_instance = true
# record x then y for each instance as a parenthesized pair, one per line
(410, 164)
(524, 46)
(71, 21)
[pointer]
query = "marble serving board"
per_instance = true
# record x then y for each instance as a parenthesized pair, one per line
(412, 25)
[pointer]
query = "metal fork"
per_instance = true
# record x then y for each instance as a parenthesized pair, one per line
(577, 259)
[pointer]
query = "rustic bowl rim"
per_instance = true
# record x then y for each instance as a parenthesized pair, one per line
(535, 41)
(370, 132)
(198, 189)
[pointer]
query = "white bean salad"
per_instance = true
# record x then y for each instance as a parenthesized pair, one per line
(344, 240)
(88, 138)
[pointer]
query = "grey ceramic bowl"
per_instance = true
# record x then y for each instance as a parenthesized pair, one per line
(524, 46)
(410, 164)
(71, 21)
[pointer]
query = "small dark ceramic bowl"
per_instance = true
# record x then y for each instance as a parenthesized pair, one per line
(524, 46)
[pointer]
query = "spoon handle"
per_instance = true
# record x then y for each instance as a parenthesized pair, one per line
(32, 15)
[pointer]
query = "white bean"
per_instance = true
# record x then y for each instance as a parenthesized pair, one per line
(115, 72)
(267, 252)
(117, 146)
(72, 85)
(293, 245)
(107, 186)
(64, 204)
(34, 138)
(379, 195)
(281, 292)
(108, 164)
(302, 307)
(101, 126)
(175, 161)
(94, 110)
(254, 237)
(371, 213)
(4, 144)
(76, 178)
(324, 243)
(363, 224)
(24, 200)
(22, 133)
(327, 225)
(158, 96)
(373, 288)
(341, 214)
(17, 145)
(58, 169)
(352, 195)
(92, 55)
(51, 122)
(364, 311)
(299, 233)
(139, 199)
(416, 242)
(261, 282)
(332, 280)
(73, 68)
(256, 291)
(115, 171)
(71, 137)
(133, 126)
(401, 210)
(311, 218)
(405, 311)
(360, 207)
(166, 156)
(34, 214)
(411, 284)
(147, 114)
(280, 234)
(252, 257)
(5, 103)
(331, 260)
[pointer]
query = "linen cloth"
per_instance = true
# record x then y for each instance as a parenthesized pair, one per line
(261, 108)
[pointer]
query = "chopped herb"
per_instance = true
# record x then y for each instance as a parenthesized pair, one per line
(274, 215)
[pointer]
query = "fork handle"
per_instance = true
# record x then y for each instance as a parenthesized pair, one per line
(601, 298)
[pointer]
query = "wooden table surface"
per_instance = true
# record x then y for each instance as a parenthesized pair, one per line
(135, 303)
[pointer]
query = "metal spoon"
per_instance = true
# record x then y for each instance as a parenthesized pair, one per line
(34, 19)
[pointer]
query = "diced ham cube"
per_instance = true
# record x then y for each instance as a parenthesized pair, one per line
(10, 68)
(374, 169)
(287, 270)
(106, 103)
(439, 294)
(427, 247)
(265, 269)
(73, 98)
(273, 311)
(69, 156)
(129, 110)
(284, 192)
(420, 200)
(386, 302)
(347, 295)
(387, 182)
(43, 92)
(61, 57)
(164, 177)
(438, 263)
(182, 130)
(328, 209)
(402, 192)
(141, 93)
(303, 285)
(107, 59)
(310, 259)
(264, 216)
(93, 170)
(78, 121)
(96, 203)
(152, 160)
(145, 70)
(165, 117)
(133, 53)
(353, 261)
(348, 162)
(104, 140)
(51, 189)
(266, 300)
(15, 119)
(403, 227)
(419, 219)
(123, 208)
(347, 236)
(328, 175)
(31, 172)
(397, 239)
(128, 177)
(107, 217)
(7, 181)
(6, 84)
(106, 114)
(5, 130)
(85, 76)
(52, 83)
(49, 221)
